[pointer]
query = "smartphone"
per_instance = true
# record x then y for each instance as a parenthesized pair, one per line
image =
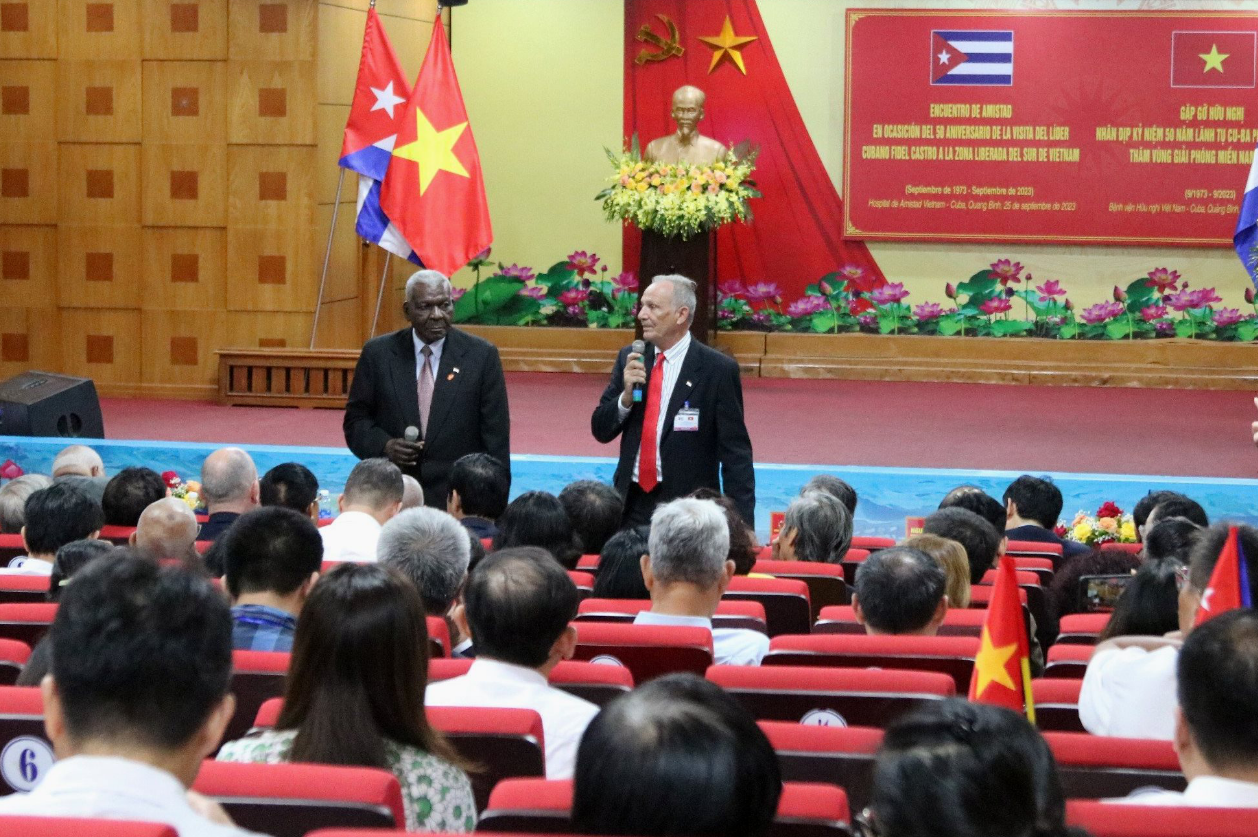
(1099, 593)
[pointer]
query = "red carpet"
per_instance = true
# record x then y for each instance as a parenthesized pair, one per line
(967, 426)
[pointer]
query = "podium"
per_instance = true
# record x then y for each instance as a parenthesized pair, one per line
(694, 258)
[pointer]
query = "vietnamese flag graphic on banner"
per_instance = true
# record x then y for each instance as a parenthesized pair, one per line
(434, 191)
(1214, 59)
(1002, 667)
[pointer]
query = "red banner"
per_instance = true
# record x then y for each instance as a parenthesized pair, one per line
(1079, 127)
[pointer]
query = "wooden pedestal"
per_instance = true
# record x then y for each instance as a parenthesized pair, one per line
(693, 259)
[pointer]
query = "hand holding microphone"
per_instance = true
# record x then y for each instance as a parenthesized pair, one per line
(635, 375)
(404, 452)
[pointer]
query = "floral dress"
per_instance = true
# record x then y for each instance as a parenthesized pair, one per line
(436, 795)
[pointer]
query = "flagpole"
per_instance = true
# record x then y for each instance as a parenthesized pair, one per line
(327, 256)
(380, 293)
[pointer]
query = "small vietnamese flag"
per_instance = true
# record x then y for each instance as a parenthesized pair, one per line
(1002, 668)
(1229, 583)
(434, 191)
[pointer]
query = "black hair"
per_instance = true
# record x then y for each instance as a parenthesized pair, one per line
(270, 550)
(57, 515)
(899, 589)
(676, 756)
(620, 565)
(140, 652)
(1063, 592)
(1146, 504)
(290, 485)
(1218, 688)
(483, 483)
(1181, 506)
(1205, 554)
(129, 493)
(595, 509)
(958, 769)
(1149, 605)
(71, 558)
(1037, 499)
(836, 488)
(982, 504)
(979, 539)
(375, 483)
(518, 602)
(478, 552)
(537, 518)
(1171, 538)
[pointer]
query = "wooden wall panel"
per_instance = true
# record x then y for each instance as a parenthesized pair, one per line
(279, 29)
(98, 101)
(185, 30)
(104, 345)
(28, 30)
(268, 330)
(272, 102)
(28, 266)
(27, 89)
(95, 29)
(184, 269)
(99, 267)
(185, 101)
(330, 125)
(339, 323)
(271, 269)
(99, 184)
(28, 183)
(184, 186)
(270, 186)
(30, 338)
(178, 347)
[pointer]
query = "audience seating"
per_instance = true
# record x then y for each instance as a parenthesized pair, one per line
(26, 621)
(851, 562)
(118, 535)
(76, 827)
(786, 605)
(588, 564)
(256, 677)
(590, 681)
(951, 655)
(842, 756)
(958, 621)
(729, 614)
(1057, 704)
(289, 800)
(1098, 767)
(830, 696)
(1082, 628)
(438, 637)
(1043, 567)
(13, 657)
(11, 546)
(584, 582)
(1069, 661)
(981, 595)
(23, 588)
(826, 584)
(1102, 819)
(21, 716)
(871, 543)
(1034, 549)
(646, 650)
(202, 546)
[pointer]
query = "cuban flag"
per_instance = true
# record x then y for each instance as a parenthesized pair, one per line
(380, 96)
(978, 58)
(1246, 239)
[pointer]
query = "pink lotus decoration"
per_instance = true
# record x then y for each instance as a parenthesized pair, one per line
(1007, 271)
(457, 293)
(535, 293)
(574, 296)
(1050, 290)
(1119, 294)
(732, 287)
(999, 305)
(950, 290)
(888, 294)
(1153, 312)
(763, 292)
(806, 306)
(10, 470)
(1102, 312)
(1199, 298)
(515, 271)
(585, 264)
(1227, 317)
(627, 281)
(1163, 280)
(928, 311)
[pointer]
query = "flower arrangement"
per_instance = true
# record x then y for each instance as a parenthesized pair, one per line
(1110, 524)
(189, 492)
(677, 199)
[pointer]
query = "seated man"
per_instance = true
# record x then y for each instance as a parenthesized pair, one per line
(479, 488)
(137, 697)
(129, 493)
(13, 495)
(229, 487)
(518, 610)
(900, 591)
(817, 527)
(412, 493)
(982, 504)
(1177, 506)
(167, 531)
(980, 541)
(1145, 505)
(292, 486)
(82, 467)
(836, 488)
(431, 549)
(687, 570)
(372, 495)
(1032, 506)
(1215, 734)
(595, 509)
(272, 558)
(55, 516)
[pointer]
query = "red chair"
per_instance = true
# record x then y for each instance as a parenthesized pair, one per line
(957, 622)
(202, 546)
(830, 696)
(438, 637)
(729, 614)
(22, 725)
(1057, 704)
(1103, 819)
(11, 546)
(1099, 767)
(120, 535)
(851, 562)
(646, 650)
(588, 564)
(873, 544)
(23, 588)
(13, 657)
(951, 655)
(842, 756)
(1043, 567)
(26, 622)
(290, 800)
(1034, 549)
(583, 581)
(786, 604)
(589, 681)
(1069, 661)
(1129, 548)
(1082, 628)
(76, 827)
(826, 584)
(257, 676)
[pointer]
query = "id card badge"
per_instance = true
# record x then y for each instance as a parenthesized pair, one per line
(686, 419)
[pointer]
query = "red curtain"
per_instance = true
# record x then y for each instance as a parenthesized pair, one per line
(796, 234)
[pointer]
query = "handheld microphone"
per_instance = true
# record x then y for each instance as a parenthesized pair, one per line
(411, 434)
(638, 347)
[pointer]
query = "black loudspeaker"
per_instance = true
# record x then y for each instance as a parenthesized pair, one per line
(45, 404)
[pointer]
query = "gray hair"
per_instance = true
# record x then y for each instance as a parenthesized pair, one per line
(13, 500)
(689, 542)
(430, 548)
(412, 492)
(420, 277)
(684, 292)
(227, 474)
(823, 526)
(78, 460)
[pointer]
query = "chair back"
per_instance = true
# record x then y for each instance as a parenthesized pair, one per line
(1082, 628)
(23, 588)
(1099, 767)
(504, 743)
(23, 738)
(958, 621)
(438, 637)
(787, 608)
(13, 658)
(842, 756)
(748, 615)
(648, 651)
(1069, 661)
(256, 677)
(826, 583)
(951, 655)
(78, 827)
(1057, 704)
(1102, 819)
(11, 546)
(26, 622)
(589, 681)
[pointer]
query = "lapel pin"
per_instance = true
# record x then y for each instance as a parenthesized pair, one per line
(689, 384)
(450, 377)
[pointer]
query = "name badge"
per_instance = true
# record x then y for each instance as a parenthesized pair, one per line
(687, 420)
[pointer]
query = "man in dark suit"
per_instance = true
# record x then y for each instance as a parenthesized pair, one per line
(1032, 506)
(696, 437)
(445, 383)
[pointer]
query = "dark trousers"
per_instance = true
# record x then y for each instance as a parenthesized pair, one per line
(639, 505)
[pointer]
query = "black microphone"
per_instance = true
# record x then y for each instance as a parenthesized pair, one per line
(638, 347)
(411, 434)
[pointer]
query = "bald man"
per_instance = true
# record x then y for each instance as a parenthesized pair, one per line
(412, 493)
(229, 487)
(83, 468)
(167, 531)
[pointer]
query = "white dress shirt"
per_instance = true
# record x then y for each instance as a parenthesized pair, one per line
(731, 646)
(434, 360)
(110, 788)
(492, 683)
(351, 537)
(26, 565)
(1202, 792)
(1130, 693)
(673, 359)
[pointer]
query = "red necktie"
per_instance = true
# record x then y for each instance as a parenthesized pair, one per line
(647, 476)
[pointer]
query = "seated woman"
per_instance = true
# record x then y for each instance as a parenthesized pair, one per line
(676, 756)
(1148, 605)
(355, 696)
(537, 518)
(620, 565)
(960, 769)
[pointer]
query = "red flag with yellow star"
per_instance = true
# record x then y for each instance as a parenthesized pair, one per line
(1002, 668)
(434, 190)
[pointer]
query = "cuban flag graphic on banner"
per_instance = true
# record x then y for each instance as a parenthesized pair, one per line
(380, 96)
(979, 58)
(1246, 239)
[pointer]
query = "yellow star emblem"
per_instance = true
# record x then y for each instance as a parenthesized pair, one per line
(990, 662)
(726, 46)
(432, 150)
(1213, 58)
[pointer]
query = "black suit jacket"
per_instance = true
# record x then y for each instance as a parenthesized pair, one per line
(469, 412)
(1038, 534)
(719, 451)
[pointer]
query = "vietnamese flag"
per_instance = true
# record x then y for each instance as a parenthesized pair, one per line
(1214, 59)
(434, 190)
(1229, 583)
(1002, 668)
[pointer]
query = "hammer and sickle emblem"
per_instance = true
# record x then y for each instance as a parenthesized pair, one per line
(668, 48)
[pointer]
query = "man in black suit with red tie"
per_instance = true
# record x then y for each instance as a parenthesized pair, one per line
(445, 384)
(687, 432)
